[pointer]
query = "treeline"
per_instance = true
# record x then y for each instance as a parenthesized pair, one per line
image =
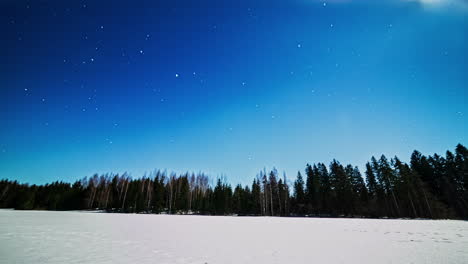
(428, 187)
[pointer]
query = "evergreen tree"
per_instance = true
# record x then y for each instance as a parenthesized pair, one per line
(325, 189)
(360, 193)
(341, 185)
(299, 195)
(312, 190)
(371, 181)
(256, 198)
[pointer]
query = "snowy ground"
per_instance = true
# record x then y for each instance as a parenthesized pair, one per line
(78, 237)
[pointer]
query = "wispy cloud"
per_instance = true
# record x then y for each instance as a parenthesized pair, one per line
(440, 3)
(461, 5)
(429, 4)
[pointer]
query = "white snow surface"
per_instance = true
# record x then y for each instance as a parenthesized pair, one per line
(82, 237)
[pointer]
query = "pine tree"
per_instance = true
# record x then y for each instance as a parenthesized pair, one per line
(312, 190)
(341, 185)
(299, 195)
(325, 189)
(360, 194)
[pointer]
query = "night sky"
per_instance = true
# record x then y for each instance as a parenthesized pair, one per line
(227, 87)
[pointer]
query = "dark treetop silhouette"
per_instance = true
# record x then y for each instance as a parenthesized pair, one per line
(428, 187)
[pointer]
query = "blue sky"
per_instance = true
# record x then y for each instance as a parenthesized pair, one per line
(227, 88)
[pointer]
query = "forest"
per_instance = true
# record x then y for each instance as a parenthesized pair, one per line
(433, 187)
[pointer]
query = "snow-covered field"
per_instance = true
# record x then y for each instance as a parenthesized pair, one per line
(79, 237)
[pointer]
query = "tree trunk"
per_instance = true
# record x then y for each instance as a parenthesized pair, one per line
(125, 196)
(427, 202)
(412, 205)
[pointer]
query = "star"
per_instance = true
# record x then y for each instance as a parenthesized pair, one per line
(176, 75)
(324, 4)
(299, 45)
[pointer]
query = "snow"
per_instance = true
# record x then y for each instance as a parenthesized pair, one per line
(90, 237)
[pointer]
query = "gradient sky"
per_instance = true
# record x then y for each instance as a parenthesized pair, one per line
(226, 87)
